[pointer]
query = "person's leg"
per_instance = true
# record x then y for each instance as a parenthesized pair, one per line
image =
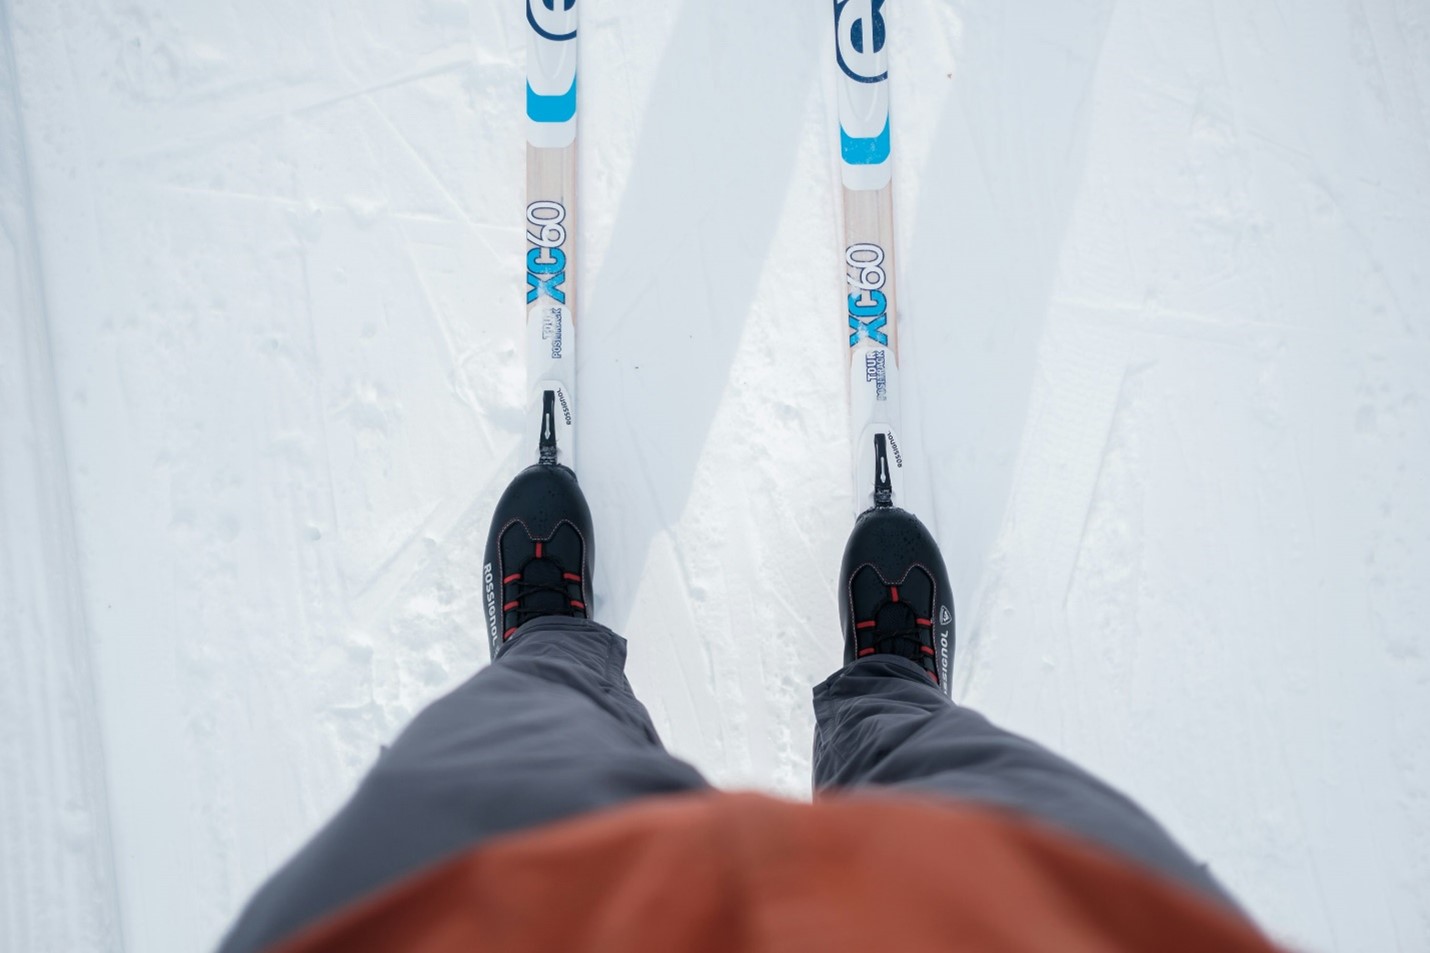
(881, 721)
(548, 731)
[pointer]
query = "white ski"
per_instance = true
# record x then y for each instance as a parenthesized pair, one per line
(551, 227)
(863, 88)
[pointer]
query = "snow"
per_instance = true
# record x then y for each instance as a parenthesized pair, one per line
(1166, 333)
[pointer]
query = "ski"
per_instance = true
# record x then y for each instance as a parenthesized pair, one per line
(551, 228)
(895, 594)
(866, 172)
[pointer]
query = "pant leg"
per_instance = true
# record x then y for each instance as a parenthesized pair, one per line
(548, 731)
(880, 721)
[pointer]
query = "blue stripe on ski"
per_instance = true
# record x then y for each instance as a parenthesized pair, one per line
(558, 108)
(870, 151)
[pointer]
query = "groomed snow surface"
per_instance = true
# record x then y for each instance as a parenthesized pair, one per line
(1166, 342)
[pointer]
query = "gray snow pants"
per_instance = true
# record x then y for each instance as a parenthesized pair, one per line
(552, 730)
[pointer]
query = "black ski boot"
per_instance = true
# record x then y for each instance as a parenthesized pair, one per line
(894, 596)
(538, 559)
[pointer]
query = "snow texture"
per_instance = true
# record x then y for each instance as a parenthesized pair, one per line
(1166, 334)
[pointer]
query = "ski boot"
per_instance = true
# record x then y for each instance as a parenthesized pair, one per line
(894, 595)
(538, 556)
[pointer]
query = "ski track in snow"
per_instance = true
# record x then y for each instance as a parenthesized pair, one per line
(1166, 327)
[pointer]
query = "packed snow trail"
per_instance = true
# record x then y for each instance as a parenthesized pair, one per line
(55, 832)
(1163, 307)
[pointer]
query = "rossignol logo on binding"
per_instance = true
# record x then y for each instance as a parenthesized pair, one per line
(552, 19)
(546, 262)
(859, 31)
(565, 407)
(868, 305)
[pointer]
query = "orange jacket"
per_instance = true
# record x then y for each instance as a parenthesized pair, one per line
(745, 872)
